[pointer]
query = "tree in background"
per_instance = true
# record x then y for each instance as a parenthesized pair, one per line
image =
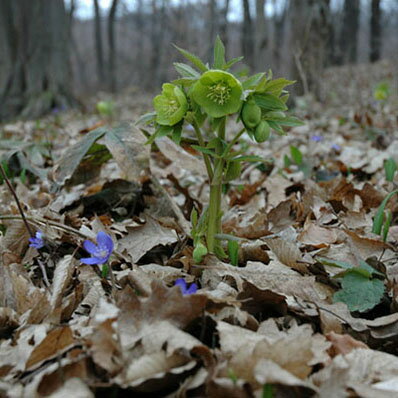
(247, 34)
(348, 40)
(34, 72)
(375, 31)
(309, 33)
(260, 35)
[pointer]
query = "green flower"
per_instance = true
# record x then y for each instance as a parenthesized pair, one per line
(218, 93)
(170, 106)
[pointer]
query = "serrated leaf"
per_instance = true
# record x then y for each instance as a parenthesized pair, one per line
(275, 126)
(359, 293)
(269, 102)
(161, 131)
(276, 86)
(290, 121)
(207, 151)
(146, 119)
(176, 135)
(219, 54)
(232, 62)
(193, 58)
(252, 81)
(185, 81)
(185, 70)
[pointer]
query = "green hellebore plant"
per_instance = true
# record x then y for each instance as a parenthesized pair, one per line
(257, 103)
(170, 106)
(218, 93)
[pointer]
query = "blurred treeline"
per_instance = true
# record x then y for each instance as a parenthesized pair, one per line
(297, 38)
(53, 50)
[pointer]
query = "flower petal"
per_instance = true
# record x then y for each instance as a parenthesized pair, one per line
(192, 289)
(90, 260)
(89, 246)
(104, 240)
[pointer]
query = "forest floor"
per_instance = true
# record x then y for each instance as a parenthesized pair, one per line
(311, 309)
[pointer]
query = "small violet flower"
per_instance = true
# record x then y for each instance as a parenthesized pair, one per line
(37, 242)
(317, 138)
(336, 147)
(101, 252)
(183, 286)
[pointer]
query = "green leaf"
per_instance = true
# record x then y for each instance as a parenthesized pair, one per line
(232, 62)
(290, 121)
(185, 70)
(390, 167)
(359, 292)
(248, 158)
(268, 391)
(147, 118)
(269, 102)
(379, 218)
(252, 81)
(233, 250)
(387, 223)
(193, 58)
(296, 155)
(219, 54)
(176, 134)
(275, 126)
(161, 131)
(185, 81)
(207, 151)
(276, 86)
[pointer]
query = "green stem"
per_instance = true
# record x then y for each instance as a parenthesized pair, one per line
(202, 144)
(234, 141)
(214, 220)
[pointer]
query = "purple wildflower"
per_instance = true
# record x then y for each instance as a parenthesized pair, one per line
(37, 241)
(316, 138)
(101, 252)
(183, 286)
(336, 147)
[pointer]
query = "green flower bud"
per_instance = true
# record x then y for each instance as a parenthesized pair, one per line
(170, 106)
(262, 132)
(199, 252)
(218, 93)
(251, 114)
(233, 171)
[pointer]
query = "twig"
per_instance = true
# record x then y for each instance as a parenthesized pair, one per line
(30, 232)
(12, 190)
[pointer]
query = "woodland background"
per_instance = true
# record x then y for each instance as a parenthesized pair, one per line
(53, 53)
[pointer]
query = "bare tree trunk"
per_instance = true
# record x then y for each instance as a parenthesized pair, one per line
(375, 31)
(37, 48)
(247, 35)
(157, 35)
(348, 40)
(112, 47)
(279, 34)
(212, 27)
(98, 44)
(224, 24)
(309, 35)
(260, 38)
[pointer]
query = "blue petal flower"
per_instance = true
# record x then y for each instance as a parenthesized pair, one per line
(37, 241)
(183, 286)
(316, 138)
(101, 252)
